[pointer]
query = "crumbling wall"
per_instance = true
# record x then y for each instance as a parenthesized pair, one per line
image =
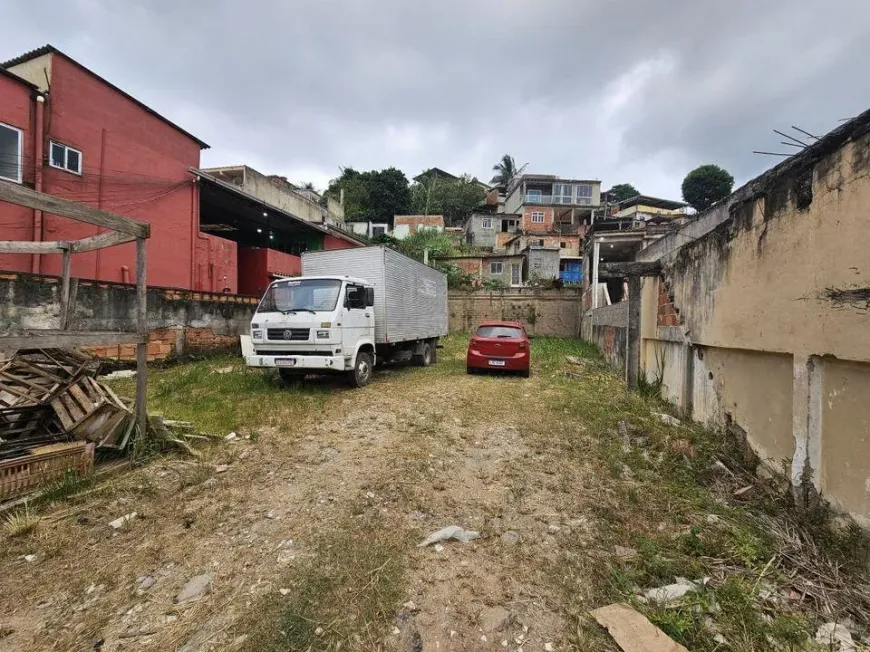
(761, 318)
(554, 313)
(178, 320)
(608, 328)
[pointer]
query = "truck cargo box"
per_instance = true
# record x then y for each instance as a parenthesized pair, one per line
(410, 297)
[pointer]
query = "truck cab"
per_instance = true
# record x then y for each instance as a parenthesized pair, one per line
(316, 324)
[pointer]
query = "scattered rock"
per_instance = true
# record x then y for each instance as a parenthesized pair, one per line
(548, 647)
(328, 453)
(553, 528)
(510, 537)
(625, 553)
(221, 468)
(244, 455)
(270, 515)
(744, 493)
(284, 591)
(410, 605)
(438, 547)
(121, 373)
(495, 619)
(118, 523)
(573, 359)
(712, 519)
(448, 533)
(318, 631)
(224, 370)
(666, 595)
(146, 582)
(231, 437)
(30, 558)
(624, 439)
(194, 588)
(667, 419)
(835, 636)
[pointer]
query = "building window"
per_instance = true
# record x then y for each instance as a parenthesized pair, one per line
(66, 158)
(584, 194)
(563, 193)
(533, 196)
(563, 245)
(496, 268)
(487, 223)
(10, 153)
(538, 217)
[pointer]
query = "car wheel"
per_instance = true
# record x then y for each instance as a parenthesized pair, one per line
(425, 358)
(471, 371)
(525, 373)
(362, 370)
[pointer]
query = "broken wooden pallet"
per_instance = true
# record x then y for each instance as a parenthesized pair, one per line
(89, 410)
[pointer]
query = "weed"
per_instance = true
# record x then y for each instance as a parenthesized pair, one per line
(66, 487)
(21, 523)
(344, 598)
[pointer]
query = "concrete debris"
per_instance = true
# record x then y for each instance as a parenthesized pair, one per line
(548, 647)
(667, 595)
(495, 619)
(146, 582)
(438, 547)
(510, 537)
(410, 605)
(284, 591)
(319, 631)
(553, 528)
(231, 437)
(224, 370)
(195, 588)
(30, 558)
(573, 359)
(328, 453)
(835, 637)
(450, 532)
(221, 468)
(712, 519)
(119, 523)
(632, 631)
(121, 373)
(270, 515)
(667, 419)
(721, 640)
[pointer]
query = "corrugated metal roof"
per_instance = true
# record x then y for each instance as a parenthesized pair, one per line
(50, 49)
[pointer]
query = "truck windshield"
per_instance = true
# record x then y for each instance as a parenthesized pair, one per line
(303, 295)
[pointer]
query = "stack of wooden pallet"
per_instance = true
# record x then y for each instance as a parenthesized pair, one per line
(52, 406)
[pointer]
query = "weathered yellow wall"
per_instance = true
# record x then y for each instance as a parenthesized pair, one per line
(37, 71)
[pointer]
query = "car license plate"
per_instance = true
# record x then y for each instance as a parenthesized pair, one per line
(496, 363)
(286, 362)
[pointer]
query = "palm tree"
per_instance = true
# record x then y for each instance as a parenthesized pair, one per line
(505, 170)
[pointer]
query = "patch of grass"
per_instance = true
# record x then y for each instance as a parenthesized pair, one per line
(69, 485)
(21, 523)
(343, 598)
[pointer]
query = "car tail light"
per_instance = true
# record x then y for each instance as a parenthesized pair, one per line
(523, 344)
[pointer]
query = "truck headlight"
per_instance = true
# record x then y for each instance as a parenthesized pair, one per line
(257, 335)
(322, 335)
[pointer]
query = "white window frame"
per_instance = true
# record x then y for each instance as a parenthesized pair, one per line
(538, 217)
(20, 152)
(66, 150)
(582, 199)
(516, 274)
(486, 223)
(496, 265)
(534, 197)
(565, 194)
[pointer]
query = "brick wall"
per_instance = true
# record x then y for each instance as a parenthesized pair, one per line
(179, 321)
(553, 313)
(667, 314)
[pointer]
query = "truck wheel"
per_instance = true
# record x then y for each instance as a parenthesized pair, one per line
(434, 344)
(362, 370)
(290, 378)
(425, 358)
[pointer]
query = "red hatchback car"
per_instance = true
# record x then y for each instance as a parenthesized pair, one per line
(499, 346)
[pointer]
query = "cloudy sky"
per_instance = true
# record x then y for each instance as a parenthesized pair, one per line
(620, 90)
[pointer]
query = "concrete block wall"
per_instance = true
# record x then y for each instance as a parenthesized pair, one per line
(554, 313)
(607, 327)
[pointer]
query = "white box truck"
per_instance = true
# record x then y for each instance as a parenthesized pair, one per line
(350, 309)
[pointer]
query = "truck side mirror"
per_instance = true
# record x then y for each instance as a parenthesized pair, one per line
(370, 297)
(355, 299)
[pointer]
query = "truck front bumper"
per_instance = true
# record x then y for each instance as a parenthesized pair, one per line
(291, 361)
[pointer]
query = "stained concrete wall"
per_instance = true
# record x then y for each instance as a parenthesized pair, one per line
(770, 310)
(554, 313)
(608, 328)
(178, 320)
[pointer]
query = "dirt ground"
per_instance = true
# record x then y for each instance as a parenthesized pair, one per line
(325, 477)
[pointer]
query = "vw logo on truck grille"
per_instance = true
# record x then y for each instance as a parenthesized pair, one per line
(288, 334)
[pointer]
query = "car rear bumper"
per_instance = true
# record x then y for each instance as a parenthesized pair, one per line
(516, 362)
(308, 362)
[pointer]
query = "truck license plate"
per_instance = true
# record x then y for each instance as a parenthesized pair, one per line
(285, 362)
(496, 363)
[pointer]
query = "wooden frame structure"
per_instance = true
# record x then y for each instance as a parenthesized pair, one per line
(123, 230)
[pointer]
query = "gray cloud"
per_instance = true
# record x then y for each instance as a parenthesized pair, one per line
(627, 90)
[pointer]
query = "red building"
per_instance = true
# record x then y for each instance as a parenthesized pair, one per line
(68, 132)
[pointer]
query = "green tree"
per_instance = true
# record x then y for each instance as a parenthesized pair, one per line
(438, 243)
(454, 199)
(621, 192)
(375, 195)
(705, 185)
(505, 170)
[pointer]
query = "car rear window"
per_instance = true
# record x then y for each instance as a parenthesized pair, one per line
(499, 331)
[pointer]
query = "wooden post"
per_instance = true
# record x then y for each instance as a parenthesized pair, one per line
(141, 347)
(632, 356)
(64, 290)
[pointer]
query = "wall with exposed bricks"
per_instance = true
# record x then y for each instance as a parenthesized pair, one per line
(179, 321)
(608, 328)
